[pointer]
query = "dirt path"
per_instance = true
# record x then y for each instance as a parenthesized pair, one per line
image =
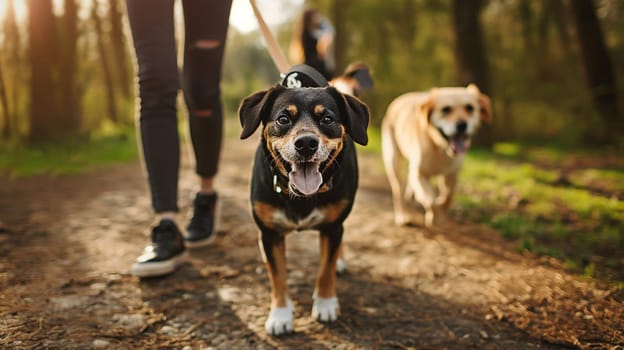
(66, 245)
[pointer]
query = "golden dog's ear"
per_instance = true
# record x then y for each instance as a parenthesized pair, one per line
(485, 108)
(426, 108)
(485, 105)
(355, 114)
(254, 108)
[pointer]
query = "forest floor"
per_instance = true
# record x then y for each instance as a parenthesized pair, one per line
(67, 244)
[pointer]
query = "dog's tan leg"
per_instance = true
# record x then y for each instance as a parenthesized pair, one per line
(443, 201)
(423, 191)
(341, 264)
(280, 318)
(392, 162)
(326, 307)
(447, 191)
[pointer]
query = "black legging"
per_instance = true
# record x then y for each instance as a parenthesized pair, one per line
(152, 26)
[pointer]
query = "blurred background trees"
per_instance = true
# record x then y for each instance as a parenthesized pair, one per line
(553, 68)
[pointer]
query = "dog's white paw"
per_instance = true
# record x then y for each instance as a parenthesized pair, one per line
(402, 219)
(429, 218)
(325, 309)
(280, 320)
(341, 266)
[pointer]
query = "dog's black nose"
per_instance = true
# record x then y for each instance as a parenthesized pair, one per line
(461, 127)
(306, 145)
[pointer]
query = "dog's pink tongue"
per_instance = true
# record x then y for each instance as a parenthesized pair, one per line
(460, 145)
(306, 178)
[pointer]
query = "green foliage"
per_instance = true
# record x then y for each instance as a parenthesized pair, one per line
(106, 147)
(530, 205)
(247, 68)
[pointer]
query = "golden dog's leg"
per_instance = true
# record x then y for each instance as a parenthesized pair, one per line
(423, 192)
(392, 162)
(447, 191)
(326, 308)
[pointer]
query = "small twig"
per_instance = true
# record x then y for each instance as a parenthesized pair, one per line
(192, 329)
(345, 326)
(448, 329)
(395, 344)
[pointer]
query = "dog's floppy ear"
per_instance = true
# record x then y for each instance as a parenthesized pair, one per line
(485, 105)
(360, 73)
(253, 109)
(355, 114)
(426, 108)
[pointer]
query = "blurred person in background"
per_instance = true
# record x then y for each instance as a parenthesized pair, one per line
(312, 43)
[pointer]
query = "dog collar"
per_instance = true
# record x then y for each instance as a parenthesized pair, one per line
(302, 75)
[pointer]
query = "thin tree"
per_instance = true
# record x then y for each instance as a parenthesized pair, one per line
(71, 108)
(470, 54)
(12, 47)
(44, 116)
(599, 71)
(338, 11)
(4, 103)
(106, 68)
(119, 47)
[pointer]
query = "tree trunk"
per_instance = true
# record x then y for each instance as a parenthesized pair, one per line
(106, 68)
(13, 48)
(599, 72)
(120, 48)
(561, 22)
(44, 116)
(339, 9)
(470, 56)
(4, 103)
(526, 18)
(69, 68)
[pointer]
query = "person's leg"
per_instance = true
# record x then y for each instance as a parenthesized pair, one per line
(151, 24)
(206, 24)
(152, 27)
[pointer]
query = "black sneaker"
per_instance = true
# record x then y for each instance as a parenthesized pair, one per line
(201, 230)
(165, 253)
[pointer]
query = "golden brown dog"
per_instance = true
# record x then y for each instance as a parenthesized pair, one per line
(432, 131)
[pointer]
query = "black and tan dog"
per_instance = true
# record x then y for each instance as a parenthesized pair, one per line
(304, 177)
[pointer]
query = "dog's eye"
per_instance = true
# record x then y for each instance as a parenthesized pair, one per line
(470, 108)
(447, 109)
(327, 120)
(283, 119)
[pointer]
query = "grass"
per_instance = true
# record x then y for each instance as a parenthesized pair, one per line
(105, 147)
(580, 221)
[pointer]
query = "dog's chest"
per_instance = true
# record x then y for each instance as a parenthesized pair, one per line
(439, 164)
(284, 219)
(281, 219)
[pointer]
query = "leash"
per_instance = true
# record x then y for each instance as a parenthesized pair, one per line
(279, 59)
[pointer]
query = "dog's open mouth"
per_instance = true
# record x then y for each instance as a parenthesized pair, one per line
(459, 143)
(305, 177)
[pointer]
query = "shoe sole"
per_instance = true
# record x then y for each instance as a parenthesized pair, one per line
(204, 242)
(158, 268)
